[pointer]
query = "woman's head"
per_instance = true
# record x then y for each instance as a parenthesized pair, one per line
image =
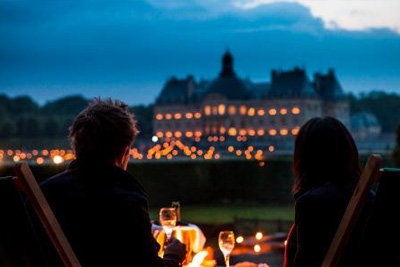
(325, 152)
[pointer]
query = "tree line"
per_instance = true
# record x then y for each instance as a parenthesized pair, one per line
(22, 117)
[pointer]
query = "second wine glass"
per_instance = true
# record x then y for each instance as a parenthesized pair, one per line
(167, 219)
(226, 242)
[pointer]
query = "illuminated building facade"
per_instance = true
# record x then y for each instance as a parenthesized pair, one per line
(230, 108)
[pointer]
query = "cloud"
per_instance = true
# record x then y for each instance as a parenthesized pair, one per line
(344, 14)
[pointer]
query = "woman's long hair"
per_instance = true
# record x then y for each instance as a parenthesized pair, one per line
(325, 152)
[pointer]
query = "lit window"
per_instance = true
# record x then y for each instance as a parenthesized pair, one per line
(168, 134)
(222, 129)
(221, 109)
(296, 110)
(251, 112)
(159, 117)
(261, 112)
(252, 132)
(272, 112)
(159, 134)
(178, 134)
(189, 115)
(260, 132)
(283, 131)
(232, 110)
(168, 116)
(189, 134)
(243, 110)
(215, 110)
(283, 111)
(272, 132)
(177, 116)
(207, 110)
(242, 132)
(197, 115)
(295, 131)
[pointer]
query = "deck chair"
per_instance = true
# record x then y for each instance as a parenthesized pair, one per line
(19, 243)
(380, 241)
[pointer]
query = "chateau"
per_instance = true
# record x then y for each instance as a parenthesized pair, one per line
(231, 108)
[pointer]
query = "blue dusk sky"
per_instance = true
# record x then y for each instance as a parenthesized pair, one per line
(127, 49)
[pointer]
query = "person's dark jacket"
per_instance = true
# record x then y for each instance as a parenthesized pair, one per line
(103, 211)
(318, 213)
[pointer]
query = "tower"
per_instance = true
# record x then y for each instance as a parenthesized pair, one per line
(227, 65)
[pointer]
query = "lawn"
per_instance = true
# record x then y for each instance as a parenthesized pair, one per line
(221, 214)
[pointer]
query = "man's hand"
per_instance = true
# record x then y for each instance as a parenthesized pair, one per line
(175, 249)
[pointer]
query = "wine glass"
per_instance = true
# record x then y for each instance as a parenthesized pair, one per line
(226, 241)
(167, 218)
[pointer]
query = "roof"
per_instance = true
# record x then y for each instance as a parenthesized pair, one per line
(292, 83)
(328, 87)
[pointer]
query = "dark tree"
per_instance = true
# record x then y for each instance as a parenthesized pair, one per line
(50, 128)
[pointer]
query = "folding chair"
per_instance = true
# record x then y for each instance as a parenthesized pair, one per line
(19, 245)
(380, 242)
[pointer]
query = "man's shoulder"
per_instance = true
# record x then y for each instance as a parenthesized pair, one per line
(62, 178)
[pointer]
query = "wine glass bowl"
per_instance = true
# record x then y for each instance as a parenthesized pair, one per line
(167, 217)
(226, 242)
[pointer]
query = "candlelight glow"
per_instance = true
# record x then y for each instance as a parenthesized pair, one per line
(259, 235)
(239, 239)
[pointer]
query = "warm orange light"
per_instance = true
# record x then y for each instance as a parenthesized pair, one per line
(232, 110)
(58, 159)
(271, 148)
(232, 131)
(283, 131)
(261, 112)
(239, 239)
(257, 248)
(283, 111)
(168, 134)
(242, 132)
(177, 116)
(221, 109)
(168, 116)
(169, 156)
(259, 235)
(272, 132)
(251, 112)
(272, 112)
(252, 132)
(295, 131)
(242, 110)
(238, 152)
(189, 134)
(189, 115)
(178, 134)
(197, 115)
(16, 158)
(260, 132)
(159, 117)
(222, 130)
(296, 110)
(197, 133)
(39, 160)
(159, 134)
(207, 110)
(231, 148)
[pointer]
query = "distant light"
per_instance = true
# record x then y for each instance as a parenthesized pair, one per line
(257, 248)
(154, 139)
(259, 235)
(285, 243)
(58, 159)
(272, 112)
(239, 239)
(39, 160)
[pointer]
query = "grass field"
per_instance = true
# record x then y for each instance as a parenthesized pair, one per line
(225, 214)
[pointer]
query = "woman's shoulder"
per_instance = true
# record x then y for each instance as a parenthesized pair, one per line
(323, 196)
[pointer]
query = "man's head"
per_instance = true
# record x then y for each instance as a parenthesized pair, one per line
(103, 132)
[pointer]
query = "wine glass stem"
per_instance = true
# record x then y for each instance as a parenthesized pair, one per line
(227, 260)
